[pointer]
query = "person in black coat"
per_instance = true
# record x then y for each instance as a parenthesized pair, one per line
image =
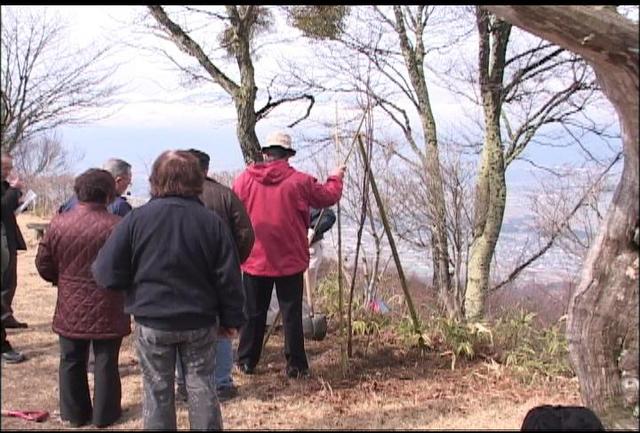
(11, 193)
(9, 355)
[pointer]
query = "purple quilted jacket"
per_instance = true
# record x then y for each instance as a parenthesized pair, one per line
(65, 254)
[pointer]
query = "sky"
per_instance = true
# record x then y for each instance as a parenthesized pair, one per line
(155, 114)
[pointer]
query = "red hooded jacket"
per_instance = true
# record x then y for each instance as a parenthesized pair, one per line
(277, 198)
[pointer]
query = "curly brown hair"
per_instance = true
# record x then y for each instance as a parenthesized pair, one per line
(95, 186)
(176, 172)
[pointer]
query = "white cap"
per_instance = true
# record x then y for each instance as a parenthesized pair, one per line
(279, 139)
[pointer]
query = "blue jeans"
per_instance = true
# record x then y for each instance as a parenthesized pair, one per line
(157, 352)
(224, 365)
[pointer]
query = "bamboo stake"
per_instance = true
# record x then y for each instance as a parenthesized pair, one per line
(363, 215)
(392, 245)
(344, 361)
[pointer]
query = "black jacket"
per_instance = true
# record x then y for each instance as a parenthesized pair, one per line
(178, 263)
(10, 197)
(228, 206)
(325, 224)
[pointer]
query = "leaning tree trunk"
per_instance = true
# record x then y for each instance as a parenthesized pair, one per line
(603, 322)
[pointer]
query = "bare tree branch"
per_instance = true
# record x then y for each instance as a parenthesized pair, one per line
(559, 230)
(44, 85)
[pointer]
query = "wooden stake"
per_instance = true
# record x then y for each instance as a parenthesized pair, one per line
(392, 244)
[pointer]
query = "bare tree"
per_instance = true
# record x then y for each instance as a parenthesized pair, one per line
(409, 211)
(603, 324)
(241, 25)
(45, 83)
(52, 190)
(44, 155)
(555, 197)
(513, 120)
(392, 42)
(524, 93)
(556, 221)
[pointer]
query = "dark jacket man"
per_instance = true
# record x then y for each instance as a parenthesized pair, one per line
(10, 201)
(230, 209)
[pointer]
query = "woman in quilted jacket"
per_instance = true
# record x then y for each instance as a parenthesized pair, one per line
(85, 314)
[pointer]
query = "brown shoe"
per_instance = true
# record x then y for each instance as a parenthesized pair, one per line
(13, 323)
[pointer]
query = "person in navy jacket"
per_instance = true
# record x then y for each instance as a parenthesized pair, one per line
(178, 265)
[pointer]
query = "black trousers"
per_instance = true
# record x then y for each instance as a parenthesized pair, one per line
(9, 284)
(258, 295)
(6, 346)
(75, 400)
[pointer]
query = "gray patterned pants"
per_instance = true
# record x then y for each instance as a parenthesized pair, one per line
(157, 351)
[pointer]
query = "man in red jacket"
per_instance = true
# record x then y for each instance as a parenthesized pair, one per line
(277, 198)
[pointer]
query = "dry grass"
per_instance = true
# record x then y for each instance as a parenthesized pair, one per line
(387, 387)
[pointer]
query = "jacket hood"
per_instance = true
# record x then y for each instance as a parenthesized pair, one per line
(271, 173)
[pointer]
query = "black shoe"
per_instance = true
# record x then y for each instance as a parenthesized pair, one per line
(297, 373)
(227, 393)
(13, 323)
(246, 369)
(74, 424)
(12, 357)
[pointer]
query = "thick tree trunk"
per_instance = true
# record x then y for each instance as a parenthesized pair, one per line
(603, 321)
(246, 129)
(245, 95)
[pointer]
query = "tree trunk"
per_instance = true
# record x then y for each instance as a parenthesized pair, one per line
(603, 321)
(440, 246)
(246, 129)
(413, 55)
(491, 195)
(491, 188)
(244, 96)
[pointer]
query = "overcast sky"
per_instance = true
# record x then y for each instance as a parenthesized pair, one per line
(156, 116)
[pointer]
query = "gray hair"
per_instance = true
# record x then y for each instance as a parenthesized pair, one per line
(117, 167)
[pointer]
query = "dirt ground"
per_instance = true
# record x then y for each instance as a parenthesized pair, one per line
(387, 386)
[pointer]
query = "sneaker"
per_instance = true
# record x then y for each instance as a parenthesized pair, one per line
(297, 373)
(12, 357)
(246, 368)
(227, 393)
(181, 393)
